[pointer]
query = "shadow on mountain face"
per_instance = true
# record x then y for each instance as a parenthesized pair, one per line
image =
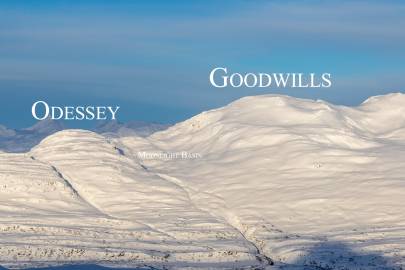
(324, 256)
(338, 256)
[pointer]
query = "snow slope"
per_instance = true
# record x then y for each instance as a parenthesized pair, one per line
(301, 183)
(22, 140)
(132, 128)
(121, 193)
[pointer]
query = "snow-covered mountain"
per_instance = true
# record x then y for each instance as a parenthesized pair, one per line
(22, 140)
(47, 126)
(18, 141)
(266, 180)
(132, 128)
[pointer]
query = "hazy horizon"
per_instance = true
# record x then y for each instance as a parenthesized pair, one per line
(154, 59)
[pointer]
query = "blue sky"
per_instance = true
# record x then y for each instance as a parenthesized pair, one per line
(153, 58)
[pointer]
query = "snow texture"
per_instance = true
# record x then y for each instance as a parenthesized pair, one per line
(279, 183)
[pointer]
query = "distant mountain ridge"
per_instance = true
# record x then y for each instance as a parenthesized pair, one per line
(279, 183)
(22, 140)
(137, 128)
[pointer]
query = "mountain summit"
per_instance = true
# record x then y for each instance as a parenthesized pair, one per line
(279, 183)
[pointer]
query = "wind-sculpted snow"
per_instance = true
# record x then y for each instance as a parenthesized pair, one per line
(293, 182)
(295, 174)
(120, 188)
(31, 187)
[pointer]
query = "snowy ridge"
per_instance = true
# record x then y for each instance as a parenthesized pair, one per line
(19, 141)
(23, 140)
(132, 128)
(120, 188)
(294, 182)
(29, 196)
